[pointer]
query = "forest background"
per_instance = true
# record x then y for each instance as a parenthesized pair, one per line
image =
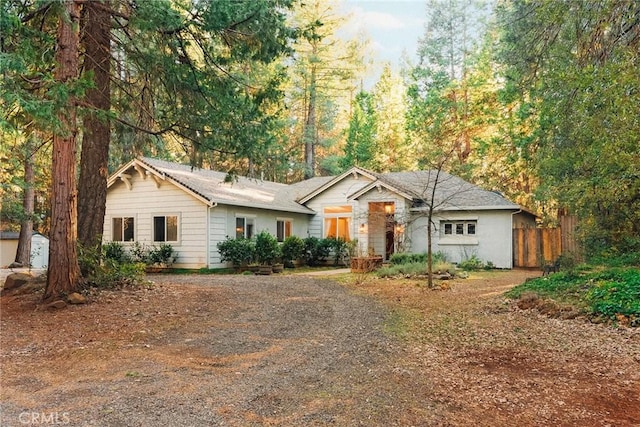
(539, 100)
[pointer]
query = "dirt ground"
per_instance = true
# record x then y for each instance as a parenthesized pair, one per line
(196, 350)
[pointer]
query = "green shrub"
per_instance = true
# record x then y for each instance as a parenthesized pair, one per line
(339, 248)
(267, 248)
(139, 253)
(615, 292)
(471, 264)
(163, 254)
(605, 293)
(292, 249)
(115, 251)
(316, 251)
(237, 251)
(408, 258)
(112, 274)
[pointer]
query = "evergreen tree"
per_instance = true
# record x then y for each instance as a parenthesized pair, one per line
(572, 67)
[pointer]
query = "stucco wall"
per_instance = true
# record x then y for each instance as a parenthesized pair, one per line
(492, 242)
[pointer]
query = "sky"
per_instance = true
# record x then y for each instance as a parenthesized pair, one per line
(394, 26)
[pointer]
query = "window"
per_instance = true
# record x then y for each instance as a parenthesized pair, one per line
(458, 228)
(122, 229)
(283, 229)
(165, 228)
(337, 222)
(244, 227)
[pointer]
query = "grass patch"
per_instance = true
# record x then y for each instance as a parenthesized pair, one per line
(610, 293)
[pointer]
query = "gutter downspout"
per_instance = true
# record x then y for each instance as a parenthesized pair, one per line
(208, 234)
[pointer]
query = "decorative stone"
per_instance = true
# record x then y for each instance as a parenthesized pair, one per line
(58, 304)
(76, 298)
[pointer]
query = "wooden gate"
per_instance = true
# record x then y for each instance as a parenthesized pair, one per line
(532, 247)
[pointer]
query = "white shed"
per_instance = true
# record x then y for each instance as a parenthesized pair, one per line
(9, 246)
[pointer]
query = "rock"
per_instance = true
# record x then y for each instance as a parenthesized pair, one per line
(15, 280)
(76, 298)
(57, 304)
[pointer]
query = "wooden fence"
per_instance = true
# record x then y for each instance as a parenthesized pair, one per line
(532, 247)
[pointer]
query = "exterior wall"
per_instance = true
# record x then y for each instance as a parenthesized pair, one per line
(372, 228)
(145, 200)
(492, 242)
(337, 196)
(8, 250)
(222, 223)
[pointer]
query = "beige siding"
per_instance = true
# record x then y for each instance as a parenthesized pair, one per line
(222, 223)
(8, 250)
(337, 196)
(145, 200)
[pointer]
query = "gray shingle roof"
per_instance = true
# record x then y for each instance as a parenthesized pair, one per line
(246, 192)
(451, 192)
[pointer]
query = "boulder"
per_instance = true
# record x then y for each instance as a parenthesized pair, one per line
(15, 280)
(76, 298)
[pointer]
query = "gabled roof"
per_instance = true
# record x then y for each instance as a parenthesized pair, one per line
(330, 181)
(212, 187)
(451, 192)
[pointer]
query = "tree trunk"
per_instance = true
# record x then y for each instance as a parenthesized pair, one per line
(92, 186)
(310, 129)
(429, 249)
(23, 254)
(64, 272)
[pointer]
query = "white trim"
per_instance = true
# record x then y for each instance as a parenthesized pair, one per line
(178, 226)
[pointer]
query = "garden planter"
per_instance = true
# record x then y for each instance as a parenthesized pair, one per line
(265, 270)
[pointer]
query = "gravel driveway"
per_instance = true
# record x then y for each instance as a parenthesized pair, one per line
(240, 350)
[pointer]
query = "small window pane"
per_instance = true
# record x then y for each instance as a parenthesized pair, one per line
(448, 229)
(172, 228)
(471, 228)
(117, 230)
(239, 228)
(250, 228)
(158, 229)
(459, 228)
(128, 234)
(280, 230)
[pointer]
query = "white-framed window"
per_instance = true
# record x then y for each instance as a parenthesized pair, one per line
(458, 228)
(123, 229)
(284, 227)
(337, 222)
(245, 227)
(165, 228)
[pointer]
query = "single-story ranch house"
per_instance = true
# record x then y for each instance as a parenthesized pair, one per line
(153, 201)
